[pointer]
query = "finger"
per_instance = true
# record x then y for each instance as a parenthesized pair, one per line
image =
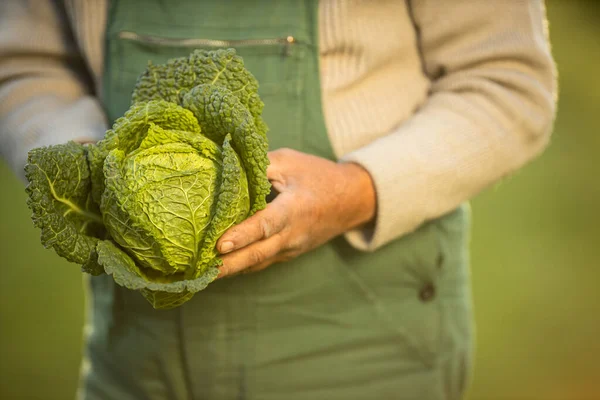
(260, 226)
(273, 172)
(258, 253)
(275, 169)
(278, 158)
(279, 161)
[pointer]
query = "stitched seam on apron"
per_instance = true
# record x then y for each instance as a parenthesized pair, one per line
(383, 314)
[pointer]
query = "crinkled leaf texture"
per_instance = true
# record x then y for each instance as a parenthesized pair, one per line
(172, 81)
(129, 130)
(148, 203)
(163, 295)
(219, 112)
(61, 204)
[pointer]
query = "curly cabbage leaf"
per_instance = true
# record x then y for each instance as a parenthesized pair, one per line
(173, 80)
(148, 203)
(219, 111)
(159, 292)
(128, 132)
(59, 197)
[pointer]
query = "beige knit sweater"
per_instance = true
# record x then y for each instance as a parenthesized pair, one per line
(436, 99)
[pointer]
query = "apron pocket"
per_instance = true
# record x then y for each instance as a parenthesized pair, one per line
(275, 62)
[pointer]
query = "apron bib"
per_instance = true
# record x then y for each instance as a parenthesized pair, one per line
(335, 323)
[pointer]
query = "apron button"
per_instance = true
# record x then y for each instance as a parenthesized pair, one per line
(440, 260)
(427, 292)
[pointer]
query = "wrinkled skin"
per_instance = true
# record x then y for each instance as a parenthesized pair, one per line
(318, 200)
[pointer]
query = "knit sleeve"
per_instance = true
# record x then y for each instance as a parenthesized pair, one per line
(490, 110)
(46, 93)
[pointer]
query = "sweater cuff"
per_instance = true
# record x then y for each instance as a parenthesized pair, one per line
(414, 171)
(392, 189)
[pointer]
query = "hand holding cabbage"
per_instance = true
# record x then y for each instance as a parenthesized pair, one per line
(318, 200)
(148, 203)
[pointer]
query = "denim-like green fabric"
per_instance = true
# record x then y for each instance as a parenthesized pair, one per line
(332, 324)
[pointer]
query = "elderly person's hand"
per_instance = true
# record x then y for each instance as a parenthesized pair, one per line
(318, 199)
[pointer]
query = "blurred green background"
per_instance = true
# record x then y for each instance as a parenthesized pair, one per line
(535, 266)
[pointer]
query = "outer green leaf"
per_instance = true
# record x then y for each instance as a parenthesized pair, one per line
(129, 131)
(172, 81)
(232, 206)
(166, 300)
(59, 196)
(159, 291)
(91, 266)
(96, 155)
(219, 112)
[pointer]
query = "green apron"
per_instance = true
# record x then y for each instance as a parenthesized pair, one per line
(332, 324)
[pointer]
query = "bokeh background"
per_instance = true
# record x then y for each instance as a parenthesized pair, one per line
(536, 261)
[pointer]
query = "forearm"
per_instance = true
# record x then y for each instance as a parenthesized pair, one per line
(46, 119)
(490, 111)
(46, 96)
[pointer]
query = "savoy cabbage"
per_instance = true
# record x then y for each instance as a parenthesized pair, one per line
(148, 203)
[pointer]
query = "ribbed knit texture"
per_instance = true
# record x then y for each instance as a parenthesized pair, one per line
(46, 91)
(436, 100)
(89, 34)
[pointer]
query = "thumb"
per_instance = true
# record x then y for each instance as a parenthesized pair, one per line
(278, 159)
